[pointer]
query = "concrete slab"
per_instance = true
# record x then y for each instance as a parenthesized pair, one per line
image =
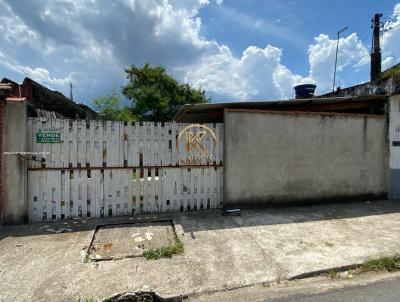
(118, 241)
(44, 262)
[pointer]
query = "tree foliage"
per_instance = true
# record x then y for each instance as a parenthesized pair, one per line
(157, 96)
(110, 107)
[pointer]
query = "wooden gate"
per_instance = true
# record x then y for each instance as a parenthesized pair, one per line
(83, 168)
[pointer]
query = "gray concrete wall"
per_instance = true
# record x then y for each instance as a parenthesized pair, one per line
(394, 142)
(292, 158)
(387, 86)
(14, 166)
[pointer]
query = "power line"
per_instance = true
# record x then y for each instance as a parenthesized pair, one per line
(365, 57)
(389, 17)
(362, 40)
(354, 67)
(359, 62)
(366, 37)
(390, 28)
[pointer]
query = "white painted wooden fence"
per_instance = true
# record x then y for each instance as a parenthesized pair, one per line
(117, 168)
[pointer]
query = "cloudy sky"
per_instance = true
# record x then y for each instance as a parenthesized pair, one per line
(235, 50)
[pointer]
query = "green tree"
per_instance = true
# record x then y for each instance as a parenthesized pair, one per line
(157, 96)
(109, 107)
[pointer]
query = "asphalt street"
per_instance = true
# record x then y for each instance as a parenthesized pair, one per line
(382, 291)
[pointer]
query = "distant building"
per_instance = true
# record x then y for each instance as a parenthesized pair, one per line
(388, 83)
(45, 102)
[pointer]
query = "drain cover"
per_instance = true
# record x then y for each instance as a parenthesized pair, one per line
(117, 241)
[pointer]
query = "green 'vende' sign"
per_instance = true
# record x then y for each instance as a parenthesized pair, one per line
(47, 137)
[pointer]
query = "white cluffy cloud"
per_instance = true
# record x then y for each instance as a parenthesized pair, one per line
(322, 57)
(258, 73)
(391, 40)
(89, 44)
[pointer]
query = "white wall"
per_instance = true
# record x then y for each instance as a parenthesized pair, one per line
(277, 158)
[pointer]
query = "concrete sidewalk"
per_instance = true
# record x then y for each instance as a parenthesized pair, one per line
(44, 262)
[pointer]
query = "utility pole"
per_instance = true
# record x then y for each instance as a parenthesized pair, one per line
(337, 49)
(71, 97)
(376, 56)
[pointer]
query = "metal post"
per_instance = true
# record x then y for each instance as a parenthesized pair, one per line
(71, 96)
(337, 49)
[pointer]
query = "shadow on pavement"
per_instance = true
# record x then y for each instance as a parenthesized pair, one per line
(213, 220)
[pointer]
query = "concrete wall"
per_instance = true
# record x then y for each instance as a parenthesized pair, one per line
(291, 158)
(387, 86)
(2, 102)
(14, 166)
(394, 142)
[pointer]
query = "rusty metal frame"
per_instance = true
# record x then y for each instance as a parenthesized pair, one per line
(122, 168)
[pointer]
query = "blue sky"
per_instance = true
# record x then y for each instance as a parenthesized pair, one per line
(290, 25)
(235, 50)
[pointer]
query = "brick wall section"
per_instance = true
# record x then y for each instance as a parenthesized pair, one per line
(1, 161)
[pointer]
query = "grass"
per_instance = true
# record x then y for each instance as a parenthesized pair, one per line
(382, 264)
(164, 252)
(333, 274)
(389, 264)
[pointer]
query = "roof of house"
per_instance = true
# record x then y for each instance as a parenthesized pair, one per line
(213, 112)
(40, 97)
(5, 89)
(5, 86)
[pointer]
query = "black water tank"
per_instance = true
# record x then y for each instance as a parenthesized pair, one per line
(304, 91)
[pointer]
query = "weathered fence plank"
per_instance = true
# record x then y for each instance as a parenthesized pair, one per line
(115, 168)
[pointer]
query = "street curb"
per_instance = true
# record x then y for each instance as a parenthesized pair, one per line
(338, 269)
(316, 273)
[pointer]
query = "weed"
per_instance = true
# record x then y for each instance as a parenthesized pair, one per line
(164, 252)
(332, 273)
(386, 263)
